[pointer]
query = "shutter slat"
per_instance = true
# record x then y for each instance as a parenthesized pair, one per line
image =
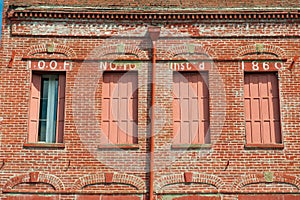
(34, 108)
(61, 108)
(204, 98)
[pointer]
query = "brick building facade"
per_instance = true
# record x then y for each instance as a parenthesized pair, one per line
(82, 82)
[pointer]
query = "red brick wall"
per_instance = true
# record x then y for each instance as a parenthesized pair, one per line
(80, 168)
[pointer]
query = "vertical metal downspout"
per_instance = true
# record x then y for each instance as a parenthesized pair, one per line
(154, 34)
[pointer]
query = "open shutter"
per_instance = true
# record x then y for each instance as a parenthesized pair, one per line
(34, 108)
(61, 108)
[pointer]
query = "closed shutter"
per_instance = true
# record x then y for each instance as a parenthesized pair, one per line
(61, 108)
(119, 107)
(190, 108)
(262, 108)
(34, 108)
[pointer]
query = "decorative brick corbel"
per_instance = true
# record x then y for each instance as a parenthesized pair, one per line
(188, 177)
(109, 177)
(293, 62)
(13, 54)
(34, 177)
(10, 13)
(3, 163)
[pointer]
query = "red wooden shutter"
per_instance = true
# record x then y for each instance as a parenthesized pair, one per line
(60, 108)
(119, 107)
(34, 108)
(132, 111)
(190, 108)
(262, 108)
(176, 108)
(203, 103)
(106, 105)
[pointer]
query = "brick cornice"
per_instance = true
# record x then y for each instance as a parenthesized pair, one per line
(24, 14)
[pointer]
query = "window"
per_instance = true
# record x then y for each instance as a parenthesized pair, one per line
(262, 108)
(190, 108)
(47, 108)
(119, 107)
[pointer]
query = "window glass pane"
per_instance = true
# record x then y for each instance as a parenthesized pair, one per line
(53, 115)
(42, 131)
(43, 110)
(44, 98)
(48, 108)
(45, 85)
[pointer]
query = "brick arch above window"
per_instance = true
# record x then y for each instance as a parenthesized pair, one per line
(261, 49)
(120, 51)
(50, 48)
(35, 177)
(112, 178)
(267, 177)
(199, 178)
(187, 50)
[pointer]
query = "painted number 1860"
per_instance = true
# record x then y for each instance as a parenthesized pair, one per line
(261, 66)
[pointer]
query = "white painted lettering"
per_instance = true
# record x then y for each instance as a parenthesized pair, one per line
(66, 64)
(174, 66)
(103, 66)
(201, 66)
(188, 67)
(113, 67)
(132, 67)
(53, 64)
(278, 65)
(41, 64)
(255, 65)
(266, 66)
(181, 66)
